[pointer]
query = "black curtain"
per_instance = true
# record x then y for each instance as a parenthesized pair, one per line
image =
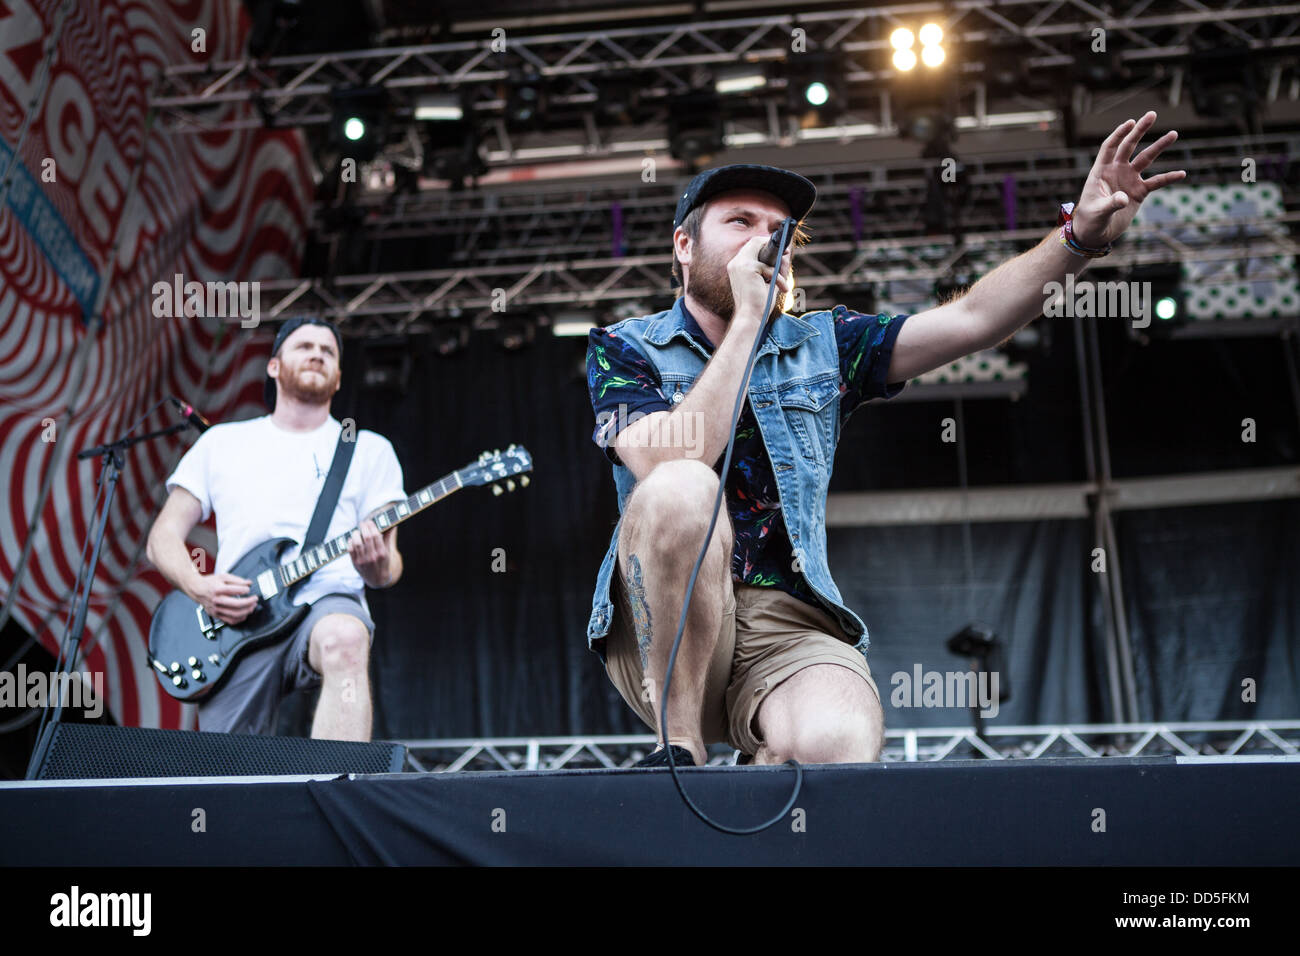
(462, 650)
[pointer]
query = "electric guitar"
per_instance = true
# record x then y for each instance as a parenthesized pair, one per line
(192, 653)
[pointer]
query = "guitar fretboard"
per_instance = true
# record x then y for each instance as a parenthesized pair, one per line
(322, 554)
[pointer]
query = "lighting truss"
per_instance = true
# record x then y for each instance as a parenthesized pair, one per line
(1216, 739)
(294, 90)
(411, 302)
(568, 218)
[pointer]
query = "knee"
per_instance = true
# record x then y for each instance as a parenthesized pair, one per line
(670, 507)
(341, 643)
(829, 738)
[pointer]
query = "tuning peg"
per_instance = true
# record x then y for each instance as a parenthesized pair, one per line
(496, 489)
(523, 481)
(511, 447)
(496, 452)
(510, 484)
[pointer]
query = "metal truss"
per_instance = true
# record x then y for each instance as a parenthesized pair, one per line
(885, 197)
(396, 303)
(672, 58)
(1244, 739)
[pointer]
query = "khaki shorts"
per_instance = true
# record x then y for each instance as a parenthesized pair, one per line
(766, 637)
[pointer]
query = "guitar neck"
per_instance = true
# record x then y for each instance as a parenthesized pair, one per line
(322, 554)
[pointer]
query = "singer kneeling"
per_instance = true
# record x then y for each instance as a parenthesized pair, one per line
(772, 661)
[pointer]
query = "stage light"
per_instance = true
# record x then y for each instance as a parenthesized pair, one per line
(739, 79)
(452, 153)
(358, 121)
(439, 107)
(904, 60)
(931, 55)
(513, 334)
(695, 130)
(816, 91)
(526, 99)
(902, 39)
(931, 34)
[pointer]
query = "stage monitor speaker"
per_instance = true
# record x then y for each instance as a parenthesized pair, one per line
(94, 751)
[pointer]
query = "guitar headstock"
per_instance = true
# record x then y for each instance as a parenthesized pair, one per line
(498, 468)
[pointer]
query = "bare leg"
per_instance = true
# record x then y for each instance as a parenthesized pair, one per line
(662, 532)
(340, 652)
(825, 713)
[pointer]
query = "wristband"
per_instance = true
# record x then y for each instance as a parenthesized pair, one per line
(1065, 219)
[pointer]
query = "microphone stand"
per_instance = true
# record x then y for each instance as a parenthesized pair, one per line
(114, 462)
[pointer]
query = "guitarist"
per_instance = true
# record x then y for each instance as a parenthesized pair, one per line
(262, 478)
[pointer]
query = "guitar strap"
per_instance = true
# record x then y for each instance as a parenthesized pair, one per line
(329, 495)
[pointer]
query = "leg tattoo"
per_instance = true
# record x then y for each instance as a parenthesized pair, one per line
(640, 609)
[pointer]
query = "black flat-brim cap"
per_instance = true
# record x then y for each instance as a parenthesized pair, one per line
(794, 190)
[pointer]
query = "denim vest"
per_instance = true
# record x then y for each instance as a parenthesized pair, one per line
(794, 392)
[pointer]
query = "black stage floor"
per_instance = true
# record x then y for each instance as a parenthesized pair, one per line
(1059, 812)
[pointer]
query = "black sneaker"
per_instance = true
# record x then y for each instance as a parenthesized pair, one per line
(681, 758)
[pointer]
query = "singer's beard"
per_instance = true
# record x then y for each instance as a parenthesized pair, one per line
(309, 390)
(710, 284)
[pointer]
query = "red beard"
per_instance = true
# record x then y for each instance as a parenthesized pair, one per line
(308, 389)
(709, 283)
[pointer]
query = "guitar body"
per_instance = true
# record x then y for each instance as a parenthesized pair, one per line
(181, 630)
(193, 655)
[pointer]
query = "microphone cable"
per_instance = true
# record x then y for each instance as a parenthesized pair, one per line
(786, 227)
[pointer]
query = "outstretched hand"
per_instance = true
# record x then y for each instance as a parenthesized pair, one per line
(1115, 188)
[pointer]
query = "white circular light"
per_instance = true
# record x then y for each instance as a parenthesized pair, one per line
(817, 94)
(901, 39)
(1166, 308)
(931, 55)
(904, 59)
(931, 33)
(354, 129)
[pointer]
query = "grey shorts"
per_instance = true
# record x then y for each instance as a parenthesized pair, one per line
(247, 702)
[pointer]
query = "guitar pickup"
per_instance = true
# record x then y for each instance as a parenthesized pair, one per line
(208, 626)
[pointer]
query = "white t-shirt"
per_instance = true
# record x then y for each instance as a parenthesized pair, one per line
(262, 482)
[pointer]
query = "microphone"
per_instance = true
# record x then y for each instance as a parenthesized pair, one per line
(774, 249)
(200, 423)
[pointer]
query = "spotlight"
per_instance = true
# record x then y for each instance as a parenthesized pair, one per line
(435, 106)
(1224, 84)
(386, 365)
(904, 60)
(513, 334)
(452, 153)
(359, 120)
(815, 83)
(739, 79)
(450, 338)
(1162, 287)
(694, 127)
(902, 40)
(526, 101)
